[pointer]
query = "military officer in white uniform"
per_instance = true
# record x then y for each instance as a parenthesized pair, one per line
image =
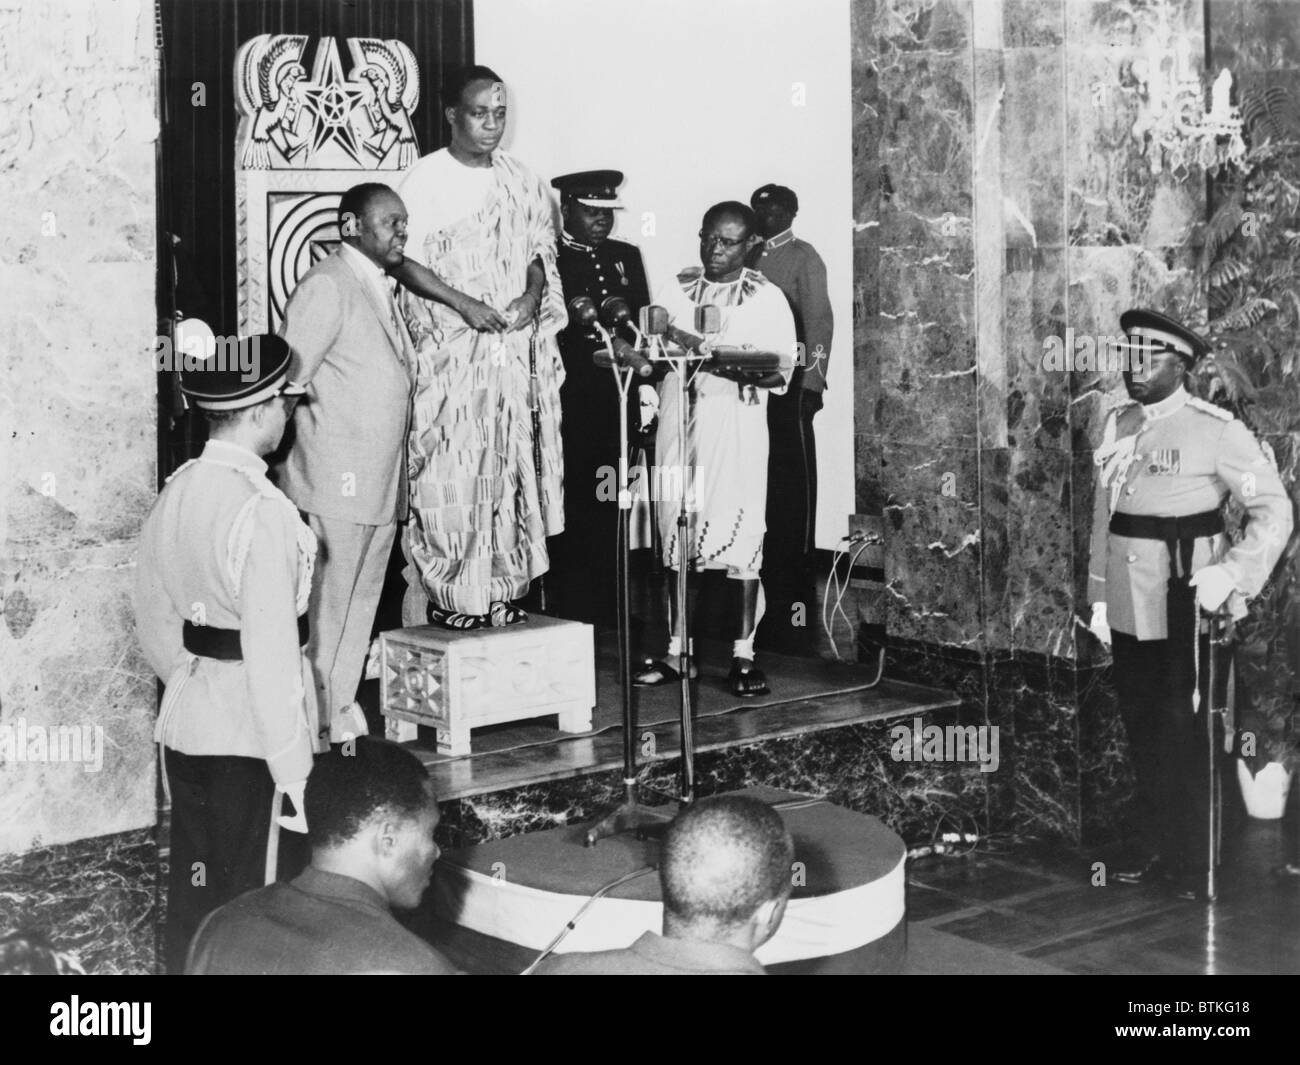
(222, 583)
(1167, 462)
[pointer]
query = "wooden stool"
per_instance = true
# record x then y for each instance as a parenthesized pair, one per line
(457, 681)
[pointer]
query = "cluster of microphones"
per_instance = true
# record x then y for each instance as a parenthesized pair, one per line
(653, 333)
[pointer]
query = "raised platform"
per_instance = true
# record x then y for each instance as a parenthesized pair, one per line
(819, 696)
(845, 915)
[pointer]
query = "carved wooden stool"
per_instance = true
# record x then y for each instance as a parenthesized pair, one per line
(457, 681)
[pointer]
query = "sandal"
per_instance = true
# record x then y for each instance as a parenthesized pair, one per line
(747, 680)
(454, 620)
(503, 613)
(656, 672)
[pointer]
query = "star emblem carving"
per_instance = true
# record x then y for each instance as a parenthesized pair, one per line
(331, 100)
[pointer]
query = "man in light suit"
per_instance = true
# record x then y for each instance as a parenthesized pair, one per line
(346, 471)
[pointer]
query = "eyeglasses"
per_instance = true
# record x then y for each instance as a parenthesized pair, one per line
(712, 238)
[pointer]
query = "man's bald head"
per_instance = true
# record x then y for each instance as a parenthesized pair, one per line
(722, 859)
(731, 210)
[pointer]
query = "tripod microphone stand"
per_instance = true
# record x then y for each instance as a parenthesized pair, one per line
(631, 814)
(688, 349)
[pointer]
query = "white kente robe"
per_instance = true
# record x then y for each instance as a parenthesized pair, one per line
(725, 478)
(480, 517)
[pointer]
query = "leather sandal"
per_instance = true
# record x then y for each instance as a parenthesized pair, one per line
(747, 680)
(656, 672)
(503, 613)
(455, 620)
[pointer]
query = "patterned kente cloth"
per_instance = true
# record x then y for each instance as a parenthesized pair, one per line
(478, 533)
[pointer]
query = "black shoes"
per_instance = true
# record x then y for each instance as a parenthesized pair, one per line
(656, 672)
(746, 679)
(1172, 873)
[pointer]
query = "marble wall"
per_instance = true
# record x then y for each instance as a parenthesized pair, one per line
(78, 414)
(1001, 200)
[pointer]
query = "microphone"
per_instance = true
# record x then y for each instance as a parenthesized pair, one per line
(654, 320)
(708, 324)
(708, 319)
(618, 352)
(583, 310)
(614, 311)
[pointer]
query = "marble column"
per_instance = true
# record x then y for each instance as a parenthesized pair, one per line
(78, 413)
(1002, 200)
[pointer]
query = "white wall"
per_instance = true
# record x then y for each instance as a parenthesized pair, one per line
(695, 101)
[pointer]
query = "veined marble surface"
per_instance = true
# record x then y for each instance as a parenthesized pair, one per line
(78, 409)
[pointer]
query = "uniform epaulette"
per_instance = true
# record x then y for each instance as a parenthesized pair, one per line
(265, 487)
(241, 533)
(1210, 408)
(180, 469)
(691, 273)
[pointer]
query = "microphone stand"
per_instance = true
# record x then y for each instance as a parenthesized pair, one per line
(631, 814)
(687, 776)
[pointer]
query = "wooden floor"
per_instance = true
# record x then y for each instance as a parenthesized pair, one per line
(1039, 904)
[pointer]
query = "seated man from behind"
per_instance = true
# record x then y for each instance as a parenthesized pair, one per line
(725, 875)
(370, 813)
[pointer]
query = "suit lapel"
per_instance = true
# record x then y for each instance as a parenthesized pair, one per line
(399, 342)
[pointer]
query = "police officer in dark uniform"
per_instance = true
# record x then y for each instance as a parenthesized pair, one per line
(584, 557)
(1167, 462)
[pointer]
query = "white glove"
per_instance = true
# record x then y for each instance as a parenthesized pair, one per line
(1098, 626)
(648, 404)
(1213, 586)
(297, 792)
(373, 657)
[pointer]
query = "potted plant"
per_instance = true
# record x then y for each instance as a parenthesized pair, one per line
(1250, 268)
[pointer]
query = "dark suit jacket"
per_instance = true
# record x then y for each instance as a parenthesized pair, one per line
(348, 460)
(321, 924)
(653, 955)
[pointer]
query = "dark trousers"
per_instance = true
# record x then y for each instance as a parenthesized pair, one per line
(221, 811)
(788, 576)
(1168, 745)
(582, 581)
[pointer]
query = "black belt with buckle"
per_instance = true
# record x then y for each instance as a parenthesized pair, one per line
(1151, 527)
(223, 644)
(1179, 534)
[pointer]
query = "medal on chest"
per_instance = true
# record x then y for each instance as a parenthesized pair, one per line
(1163, 462)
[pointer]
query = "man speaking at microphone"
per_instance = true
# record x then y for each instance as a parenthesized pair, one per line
(584, 556)
(722, 465)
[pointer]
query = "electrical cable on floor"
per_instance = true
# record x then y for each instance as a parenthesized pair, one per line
(550, 947)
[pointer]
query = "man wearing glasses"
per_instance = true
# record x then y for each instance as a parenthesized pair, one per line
(724, 467)
(222, 582)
